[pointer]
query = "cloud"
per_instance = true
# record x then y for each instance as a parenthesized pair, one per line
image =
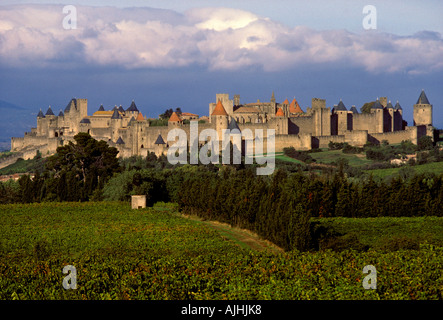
(212, 38)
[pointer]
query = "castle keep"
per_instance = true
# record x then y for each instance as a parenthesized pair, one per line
(130, 132)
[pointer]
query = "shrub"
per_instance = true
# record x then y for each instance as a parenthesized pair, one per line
(299, 155)
(424, 143)
(335, 145)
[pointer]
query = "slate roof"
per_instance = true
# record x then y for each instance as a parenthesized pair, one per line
(121, 109)
(132, 107)
(159, 140)
(389, 105)
(49, 112)
(72, 102)
(233, 125)
(120, 141)
(116, 114)
(101, 108)
(340, 106)
(85, 120)
(377, 105)
(353, 109)
(40, 114)
(398, 106)
(130, 121)
(60, 114)
(422, 99)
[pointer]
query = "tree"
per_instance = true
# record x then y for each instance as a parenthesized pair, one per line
(88, 161)
(366, 108)
(166, 115)
(424, 143)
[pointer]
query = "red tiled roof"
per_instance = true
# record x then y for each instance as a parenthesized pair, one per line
(219, 110)
(174, 118)
(279, 113)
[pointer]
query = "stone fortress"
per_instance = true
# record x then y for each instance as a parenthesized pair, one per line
(130, 132)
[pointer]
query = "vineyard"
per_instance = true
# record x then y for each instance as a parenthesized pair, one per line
(121, 253)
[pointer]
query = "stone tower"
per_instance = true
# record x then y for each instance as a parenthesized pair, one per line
(389, 117)
(342, 117)
(378, 111)
(220, 118)
(422, 111)
(322, 117)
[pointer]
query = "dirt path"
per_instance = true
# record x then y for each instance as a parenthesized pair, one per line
(244, 238)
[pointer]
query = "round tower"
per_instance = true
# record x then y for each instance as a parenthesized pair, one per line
(422, 111)
(220, 118)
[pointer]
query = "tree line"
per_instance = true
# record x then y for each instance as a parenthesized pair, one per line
(277, 207)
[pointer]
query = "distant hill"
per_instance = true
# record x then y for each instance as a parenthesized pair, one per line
(15, 120)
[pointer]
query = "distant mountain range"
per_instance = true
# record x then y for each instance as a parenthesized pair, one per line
(14, 121)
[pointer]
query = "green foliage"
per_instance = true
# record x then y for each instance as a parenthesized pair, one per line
(122, 254)
(366, 108)
(424, 143)
(303, 156)
(335, 145)
(24, 166)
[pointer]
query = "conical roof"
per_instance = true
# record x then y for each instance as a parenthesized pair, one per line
(159, 140)
(377, 105)
(398, 106)
(219, 110)
(85, 120)
(73, 102)
(40, 114)
(130, 121)
(174, 117)
(279, 113)
(233, 125)
(101, 108)
(341, 106)
(353, 109)
(422, 99)
(49, 112)
(116, 114)
(60, 114)
(389, 105)
(120, 141)
(121, 109)
(132, 107)
(294, 107)
(286, 101)
(140, 117)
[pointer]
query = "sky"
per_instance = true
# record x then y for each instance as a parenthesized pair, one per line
(169, 54)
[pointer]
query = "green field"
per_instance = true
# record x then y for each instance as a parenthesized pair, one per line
(329, 156)
(155, 253)
(435, 167)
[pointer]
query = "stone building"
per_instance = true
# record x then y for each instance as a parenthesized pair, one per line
(130, 132)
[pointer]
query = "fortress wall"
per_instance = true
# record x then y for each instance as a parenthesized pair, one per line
(100, 132)
(299, 142)
(356, 137)
(364, 121)
(299, 125)
(17, 143)
(323, 141)
(396, 136)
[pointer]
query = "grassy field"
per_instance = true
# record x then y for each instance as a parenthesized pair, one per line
(156, 253)
(329, 156)
(435, 167)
